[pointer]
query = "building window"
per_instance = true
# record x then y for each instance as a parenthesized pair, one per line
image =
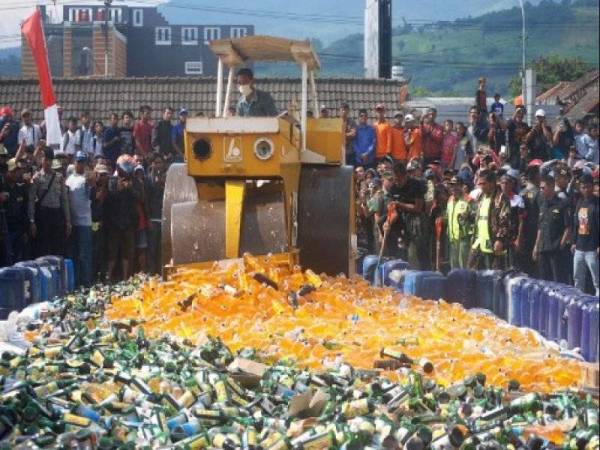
(138, 17)
(211, 33)
(193, 68)
(115, 15)
(163, 36)
(80, 14)
(239, 32)
(189, 36)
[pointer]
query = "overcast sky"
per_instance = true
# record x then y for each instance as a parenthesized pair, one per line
(12, 13)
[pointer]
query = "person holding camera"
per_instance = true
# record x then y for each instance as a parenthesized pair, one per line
(539, 139)
(121, 218)
(562, 139)
(517, 131)
(433, 137)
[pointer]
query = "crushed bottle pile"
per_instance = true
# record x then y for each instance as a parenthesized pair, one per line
(101, 376)
(317, 321)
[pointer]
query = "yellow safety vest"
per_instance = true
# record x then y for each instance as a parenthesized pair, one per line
(483, 231)
(454, 209)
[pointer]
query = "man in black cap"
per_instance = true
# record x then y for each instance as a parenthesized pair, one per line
(49, 214)
(253, 102)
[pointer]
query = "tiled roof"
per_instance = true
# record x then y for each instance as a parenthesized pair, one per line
(586, 105)
(102, 96)
(569, 92)
(551, 94)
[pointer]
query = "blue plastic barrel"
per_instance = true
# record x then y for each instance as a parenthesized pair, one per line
(524, 302)
(433, 286)
(535, 301)
(552, 296)
(484, 289)
(589, 333)
(46, 278)
(575, 320)
(15, 290)
(424, 284)
(547, 306)
(59, 263)
(412, 281)
(386, 268)
(564, 300)
(53, 281)
(500, 296)
(70, 271)
(35, 283)
(460, 287)
(359, 265)
(368, 267)
(514, 287)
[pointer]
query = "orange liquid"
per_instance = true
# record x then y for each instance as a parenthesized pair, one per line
(343, 317)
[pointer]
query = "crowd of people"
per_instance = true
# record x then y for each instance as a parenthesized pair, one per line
(97, 197)
(491, 193)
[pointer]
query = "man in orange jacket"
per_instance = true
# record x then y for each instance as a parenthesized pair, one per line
(398, 146)
(383, 130)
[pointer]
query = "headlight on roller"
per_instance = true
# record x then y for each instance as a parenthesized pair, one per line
(202, 149)
(263, 148)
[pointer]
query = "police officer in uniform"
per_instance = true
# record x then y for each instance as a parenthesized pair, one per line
(553, 233)
(530, 196)
(13, 203)
(49, 215)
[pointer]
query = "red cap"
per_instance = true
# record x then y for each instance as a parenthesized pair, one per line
(535, 163)
(6, 111)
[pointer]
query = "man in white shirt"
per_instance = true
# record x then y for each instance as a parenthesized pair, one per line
(29, 133)
(81, 219)
(85, 135)
(70, 144)
(582, 140)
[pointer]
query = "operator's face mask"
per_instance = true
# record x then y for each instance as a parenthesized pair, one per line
(245, 89)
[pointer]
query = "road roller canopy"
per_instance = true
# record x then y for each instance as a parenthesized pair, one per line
(237, 52)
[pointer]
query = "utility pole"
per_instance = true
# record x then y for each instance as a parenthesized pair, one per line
(523, 62)
(107, 4)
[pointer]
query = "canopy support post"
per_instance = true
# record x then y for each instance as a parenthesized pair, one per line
(219, 88)
(304, 110)
(313, 88)
(228, 92)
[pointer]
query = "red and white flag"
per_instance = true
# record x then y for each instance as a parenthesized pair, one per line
(34, 35)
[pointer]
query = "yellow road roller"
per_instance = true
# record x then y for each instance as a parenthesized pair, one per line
(261, 185)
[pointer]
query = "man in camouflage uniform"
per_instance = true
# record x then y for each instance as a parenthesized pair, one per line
(492, 227)
(49, 214)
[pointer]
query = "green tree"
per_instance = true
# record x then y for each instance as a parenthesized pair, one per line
(419, 91)
(551, 70)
